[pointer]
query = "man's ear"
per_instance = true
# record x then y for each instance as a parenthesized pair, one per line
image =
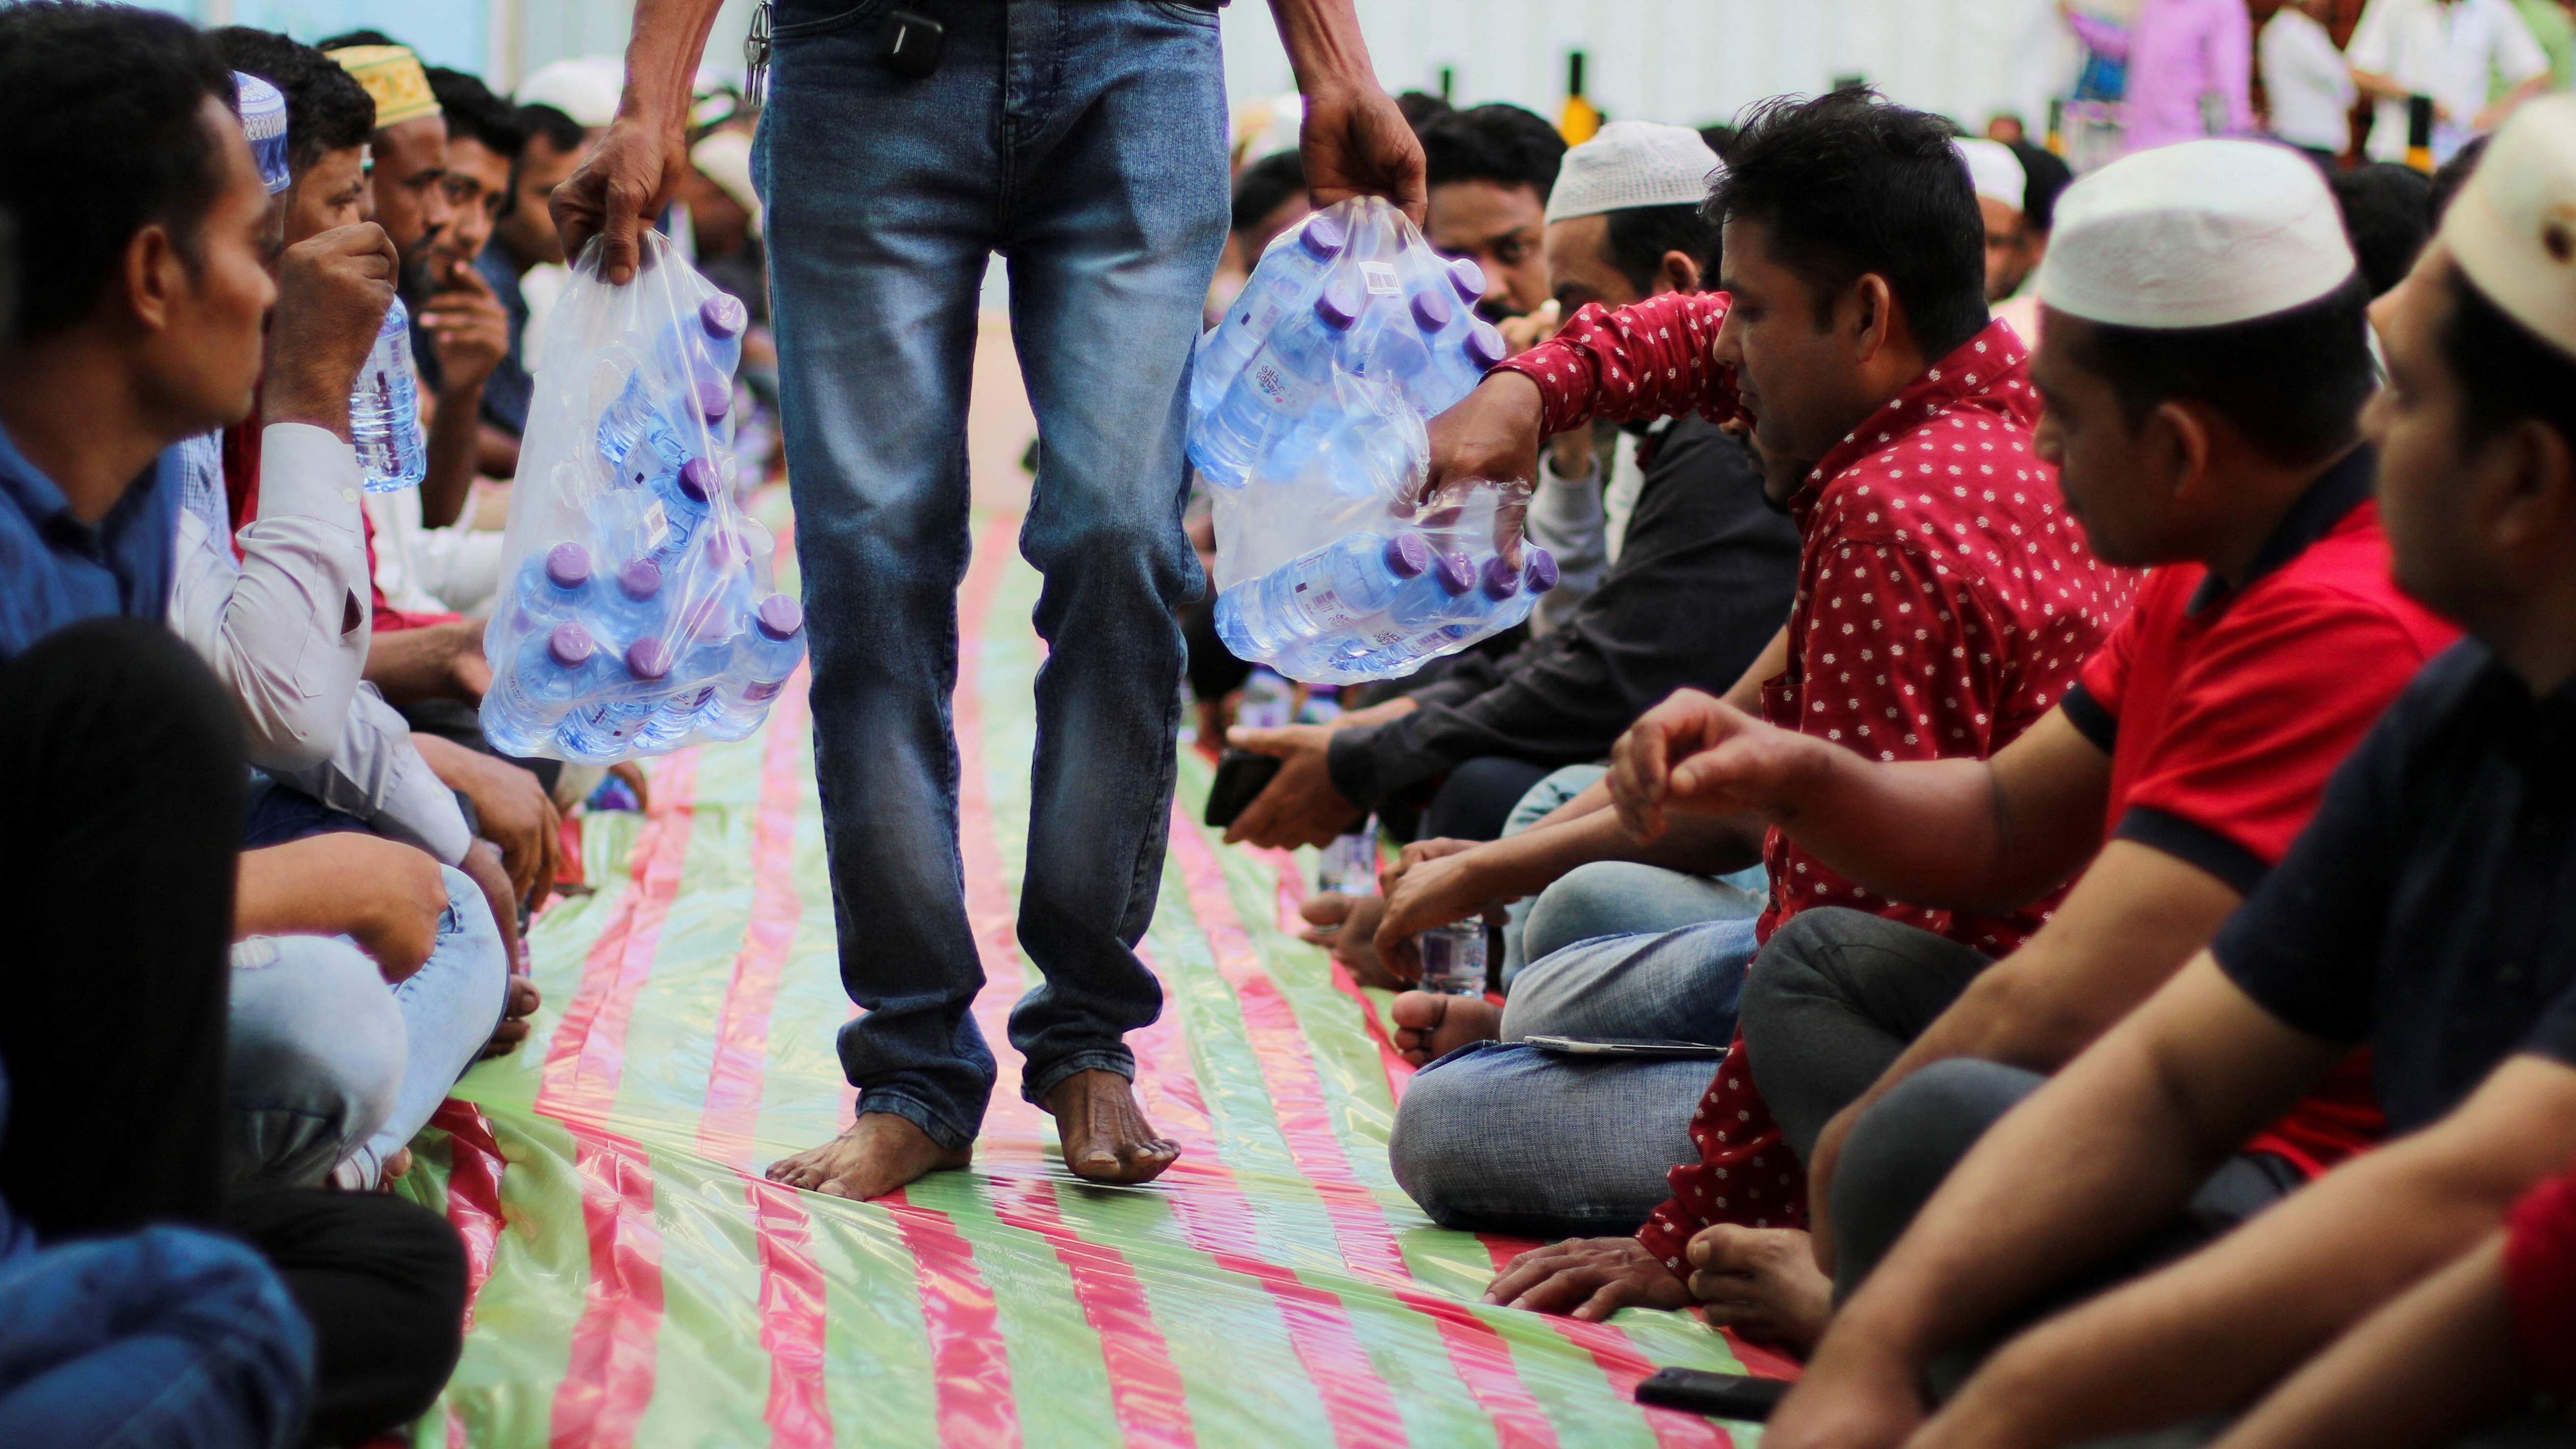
(1679, 272)
(154, 275)
(2539, 503)
(1875, 322)
(2176, 447)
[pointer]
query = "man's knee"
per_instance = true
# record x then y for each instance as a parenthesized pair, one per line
(471, 944)
(1590, 902)
(1905, 1145)
(316, 1056)
(1794, 967)
(1431, 1148)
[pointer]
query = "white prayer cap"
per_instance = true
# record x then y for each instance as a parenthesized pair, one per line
(2512, 228)
(2200, 234)
(1994, 170)
(725, 158)
(1628, 164)
(585, 88)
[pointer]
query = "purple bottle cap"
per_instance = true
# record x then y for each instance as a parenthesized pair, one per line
(1539, 570)
(1485, 346)
(570, 645)
(1500, 579)
(1324, 237)
(1453, 573)
(640, 579)
(1341, 303)
(723, 316)
(1431, 309)
(648, 658)
(779, 616)
(568, 565)
(715, 398)
(699, 479)
(1468, 278)
(1407, 555)
(726, 551)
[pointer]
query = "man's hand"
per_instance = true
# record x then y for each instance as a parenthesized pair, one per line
(442, 661)
(1490, 436)
(1589, 1278)
(514, 811)
(383, 894)
(1347, 927)
(1821, 1165)
(1356, 143)
(1299, 806)
(1434, 883)
(1698, 754)
(482, 865)
(1849, 1399)
(332, 292)
(638, 163)
(469, 331)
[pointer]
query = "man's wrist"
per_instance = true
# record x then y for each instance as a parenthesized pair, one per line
(289, 399)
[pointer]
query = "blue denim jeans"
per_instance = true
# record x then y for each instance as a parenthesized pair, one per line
(330, 1071)
(1084, 141)
(1610, 897)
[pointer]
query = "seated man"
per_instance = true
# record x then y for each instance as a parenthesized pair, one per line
(2423, 912)
(2214, 433)
(1944, 604)
(1700, 587)
(139, 205)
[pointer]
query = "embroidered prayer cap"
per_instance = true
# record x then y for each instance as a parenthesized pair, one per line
(1628, 164)
(584, 87)
(2200, 234)
(393, 79)
(1994, 170)
(262, 108)
(2512, 228)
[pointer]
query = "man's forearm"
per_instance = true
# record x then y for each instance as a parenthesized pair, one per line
(662, 58)
(2378, 86)
(1322, 38)
(455, 446)
(1530, 862)
(1746, 693)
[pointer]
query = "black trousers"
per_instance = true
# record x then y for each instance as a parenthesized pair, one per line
(122, 791)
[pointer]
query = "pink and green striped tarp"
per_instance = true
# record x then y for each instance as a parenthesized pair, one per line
(636, 1282)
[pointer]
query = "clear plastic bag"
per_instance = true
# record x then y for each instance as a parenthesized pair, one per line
(1307, 405)
(637, 610)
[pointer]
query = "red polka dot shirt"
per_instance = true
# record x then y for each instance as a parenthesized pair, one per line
(1945, 603)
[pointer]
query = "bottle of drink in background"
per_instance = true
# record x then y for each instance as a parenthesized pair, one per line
(551, 672)
(1291, 271)
(1341, 583)
(1276, 386)
(1453, 958)
(764, 656)
(1348, 866)
(384, 413)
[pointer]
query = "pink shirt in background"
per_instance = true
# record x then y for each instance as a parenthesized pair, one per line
(2177, 52)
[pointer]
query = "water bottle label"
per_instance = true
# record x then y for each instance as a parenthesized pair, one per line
(1283, 390)
(761, 691)
(1380, 279)
(657, 526)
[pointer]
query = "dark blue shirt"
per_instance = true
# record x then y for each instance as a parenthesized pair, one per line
(507, 391)
(2430, 907)
(56, 570)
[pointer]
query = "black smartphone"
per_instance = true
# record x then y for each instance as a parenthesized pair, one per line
(1240, 776)
(1625, 1046)
(1720, 1396)
(912, 44)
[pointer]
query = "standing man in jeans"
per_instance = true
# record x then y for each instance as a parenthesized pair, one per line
(903, 144)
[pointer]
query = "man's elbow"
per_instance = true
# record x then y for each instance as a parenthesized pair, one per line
(289, 733)
(2030, 1019)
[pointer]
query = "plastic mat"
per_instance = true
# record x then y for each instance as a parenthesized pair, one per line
(637, 1283)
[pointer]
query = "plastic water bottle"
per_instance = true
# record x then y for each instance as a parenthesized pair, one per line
(1442, 595)
(634, 609)
(1288, 276)
(1348, 866)
(1453, 958)
(1454, 367)
(1278, 385)
(1504, 598)
(1468, 278)
(552, 671)
(1538, 574)
(384, 413)
(764, 655)
(1341, 583)
(675, 506)
(687, 378)
(603, 731)
(556, 585)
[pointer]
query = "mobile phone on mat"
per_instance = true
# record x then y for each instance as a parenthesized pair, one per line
(1721, 1396)
(1241, 776)
(1626, 1046)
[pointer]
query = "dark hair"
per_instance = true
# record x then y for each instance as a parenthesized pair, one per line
(2293, 383)
(326, 109)
(1498, 143)
(2507, 372)
(1641, 235)
(475, 114)
(2044, 176)
(347, 38)
(2453, 175)
(1260, 187)
(2387, 213)
(561, 132)
(1720, 138)
(100, 107)
(1419, 107)
(1848, 184)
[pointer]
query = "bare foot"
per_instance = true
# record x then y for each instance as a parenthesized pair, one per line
(397, 1167)
(879, 1153)
(1105, 1135)
(523, 1002)
(1429, 1025)
(1763, 1283)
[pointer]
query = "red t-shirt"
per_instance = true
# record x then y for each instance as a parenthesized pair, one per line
(2224, 716)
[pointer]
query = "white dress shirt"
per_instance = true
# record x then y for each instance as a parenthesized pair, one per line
(2450, 52)
(2307, 80)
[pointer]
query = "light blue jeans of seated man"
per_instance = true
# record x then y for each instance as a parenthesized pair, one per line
(1611, 897)
(330, 1068)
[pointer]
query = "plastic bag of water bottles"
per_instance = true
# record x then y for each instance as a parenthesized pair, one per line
(1307, 405)
(638, 609)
